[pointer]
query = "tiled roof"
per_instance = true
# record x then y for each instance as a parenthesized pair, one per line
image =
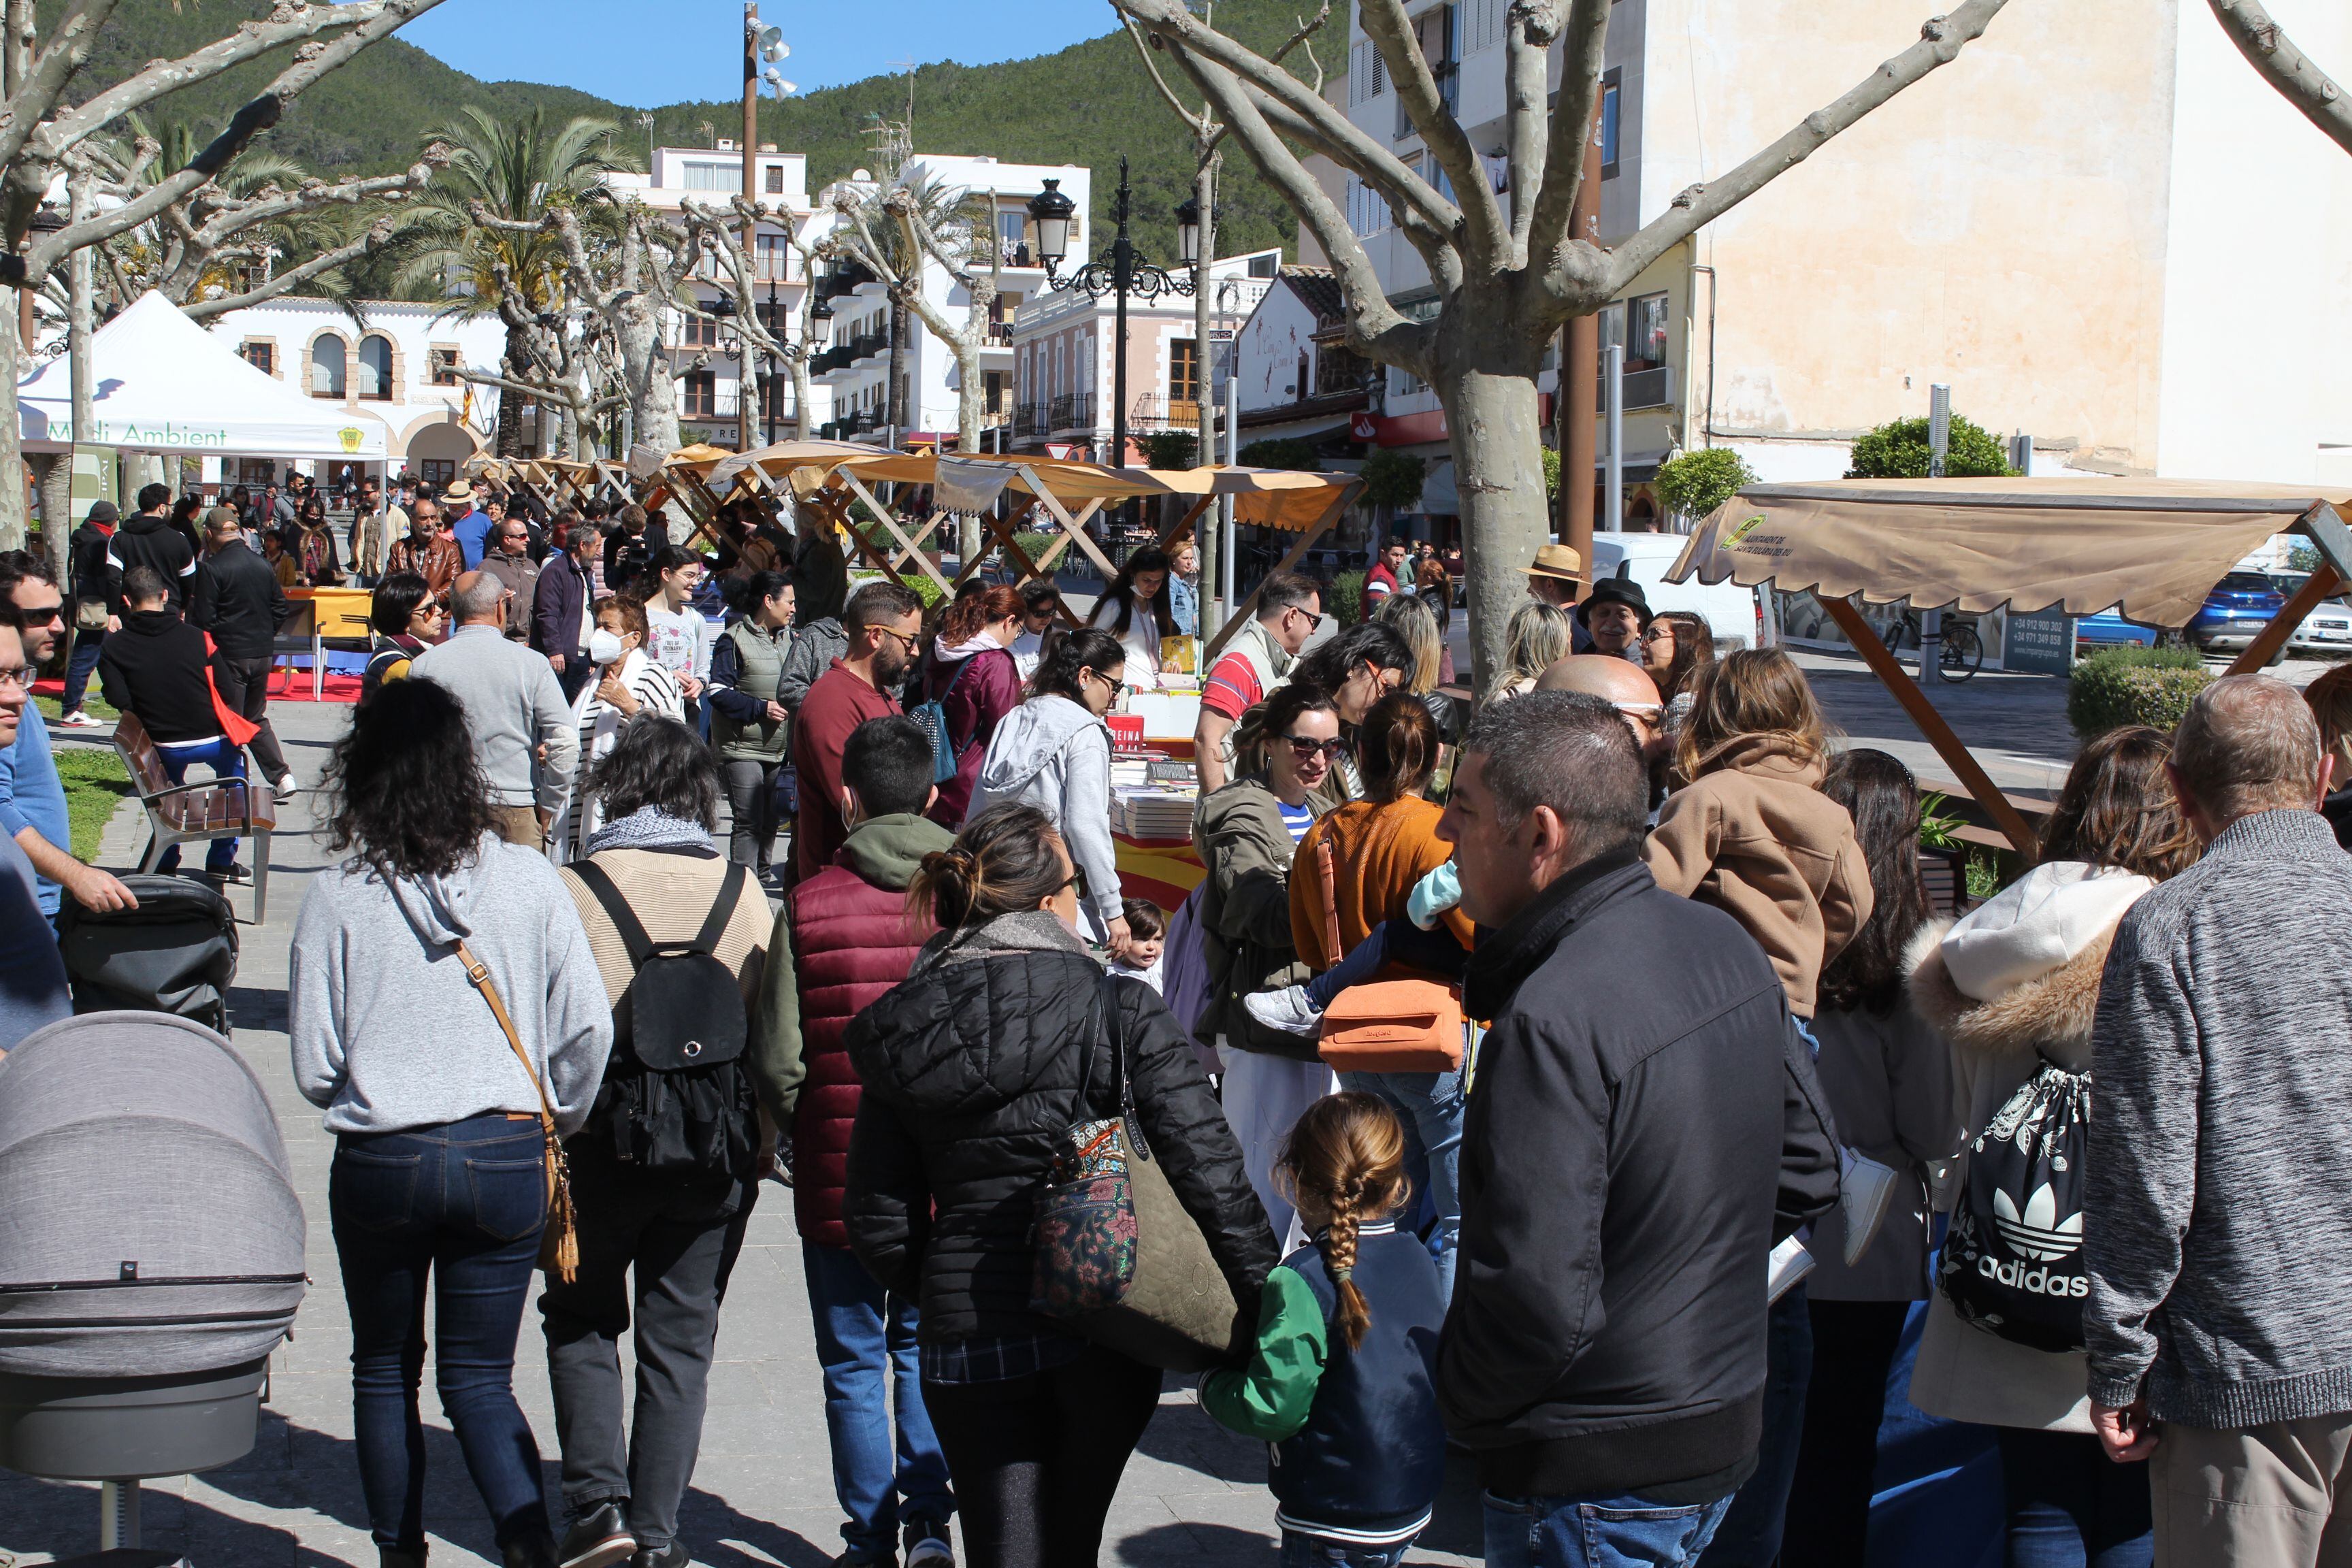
(1318, 287)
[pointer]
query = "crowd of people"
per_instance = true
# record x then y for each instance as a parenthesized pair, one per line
(1641, 1240)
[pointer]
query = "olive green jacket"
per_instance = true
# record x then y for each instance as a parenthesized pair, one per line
(1246, 914)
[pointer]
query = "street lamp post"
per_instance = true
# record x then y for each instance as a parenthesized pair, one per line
(768, 398)
(1119, 271)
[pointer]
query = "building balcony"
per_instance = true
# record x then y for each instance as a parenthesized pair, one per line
(1072, 411)
(1155, 411)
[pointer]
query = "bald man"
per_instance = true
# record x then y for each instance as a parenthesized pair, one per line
(1621, 684)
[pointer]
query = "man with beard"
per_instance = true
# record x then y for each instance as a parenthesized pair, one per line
(885, 625)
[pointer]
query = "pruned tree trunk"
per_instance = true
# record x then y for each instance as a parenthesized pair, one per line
(645, 373)
(16, 520)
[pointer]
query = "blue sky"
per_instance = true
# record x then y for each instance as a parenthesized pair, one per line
(643, 54)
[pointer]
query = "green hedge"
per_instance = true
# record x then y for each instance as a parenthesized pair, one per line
(2120, 686)
(1345, 599)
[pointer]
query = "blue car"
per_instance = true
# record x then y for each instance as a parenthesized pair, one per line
(2240, 606)
(2108, 630)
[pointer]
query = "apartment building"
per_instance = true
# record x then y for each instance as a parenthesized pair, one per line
(2080, 225)
(855, 369)
(1064, 341)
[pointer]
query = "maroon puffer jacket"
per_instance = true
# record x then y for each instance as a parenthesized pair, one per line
(851, 942)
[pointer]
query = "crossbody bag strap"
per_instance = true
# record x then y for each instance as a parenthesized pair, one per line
(479, 975)
(600, 886)
(1123, 1087)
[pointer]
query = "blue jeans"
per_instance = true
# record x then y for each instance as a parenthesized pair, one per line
(1750, 1532)
(1619, 1532)
(79, 666)
(1431, 1105)
(865, 1343)
(457, 1206)
(1300, 1550)
(226, 761)
(2070, 1506)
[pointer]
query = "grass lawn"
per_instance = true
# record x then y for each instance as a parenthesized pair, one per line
(94, 779)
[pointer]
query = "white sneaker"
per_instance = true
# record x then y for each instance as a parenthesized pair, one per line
(1865, 1188)
(78, 720)
(1287, 1010)
(286, 786)
(930, 1551)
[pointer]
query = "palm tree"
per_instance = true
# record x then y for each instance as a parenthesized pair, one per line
(519, 170)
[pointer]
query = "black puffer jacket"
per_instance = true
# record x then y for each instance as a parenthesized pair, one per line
(971, 1071)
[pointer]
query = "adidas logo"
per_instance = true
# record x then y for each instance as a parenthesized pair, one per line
(2038, 1234)
(2034, 1281)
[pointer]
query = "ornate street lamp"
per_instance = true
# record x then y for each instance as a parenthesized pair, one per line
(1119, 271)
(1187, 231)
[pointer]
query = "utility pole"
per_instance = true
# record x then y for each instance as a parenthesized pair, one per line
(746, 392)
(1613, 491)
(1939, 446)
(1579, 366)
(1204, 191)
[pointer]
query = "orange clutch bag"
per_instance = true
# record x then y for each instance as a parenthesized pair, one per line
(1393, 1026)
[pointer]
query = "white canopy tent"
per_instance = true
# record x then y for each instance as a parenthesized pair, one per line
(162, 383)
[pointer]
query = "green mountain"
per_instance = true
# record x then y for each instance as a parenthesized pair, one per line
(1085, 104)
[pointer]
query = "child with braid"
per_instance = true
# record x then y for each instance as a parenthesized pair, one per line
(1340, 1381)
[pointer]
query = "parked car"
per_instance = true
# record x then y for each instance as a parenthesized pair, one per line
(2108, 630)
(1730, 611)
(2327, 630)
(2234, 612)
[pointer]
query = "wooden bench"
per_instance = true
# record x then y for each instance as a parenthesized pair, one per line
(197, 813)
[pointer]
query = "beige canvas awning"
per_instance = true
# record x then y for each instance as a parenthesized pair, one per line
(2154, 546)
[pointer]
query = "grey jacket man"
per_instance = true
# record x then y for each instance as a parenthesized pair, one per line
(2221, 1264)
(513, 705)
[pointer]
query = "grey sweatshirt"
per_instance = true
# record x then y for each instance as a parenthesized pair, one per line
(513, 704)
(386, 1031)
(1052, 754)
(2220, 1178)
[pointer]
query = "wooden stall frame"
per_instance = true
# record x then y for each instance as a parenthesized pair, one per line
(1235, 617)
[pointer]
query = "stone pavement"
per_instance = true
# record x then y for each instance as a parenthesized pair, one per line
(1194, 1495)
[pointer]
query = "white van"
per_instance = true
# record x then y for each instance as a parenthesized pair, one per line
(1729, 609)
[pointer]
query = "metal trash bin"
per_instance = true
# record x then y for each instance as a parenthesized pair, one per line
(151, 1253)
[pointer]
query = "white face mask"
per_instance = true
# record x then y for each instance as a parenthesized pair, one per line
(603, 646)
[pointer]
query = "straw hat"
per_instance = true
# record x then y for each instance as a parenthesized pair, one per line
(1558, 561)
(459, 492)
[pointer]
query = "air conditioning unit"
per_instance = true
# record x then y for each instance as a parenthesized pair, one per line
(1650, 388)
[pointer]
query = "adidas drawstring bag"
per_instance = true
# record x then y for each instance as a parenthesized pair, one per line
(2012, 1262)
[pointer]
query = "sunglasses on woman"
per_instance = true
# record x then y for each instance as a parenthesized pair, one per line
(1076, 879)
(1304, 747)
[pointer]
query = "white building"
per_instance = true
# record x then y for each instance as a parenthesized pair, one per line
(1062, 344)
(707, 356)
(399, 370)
(856, 369)
(2074, 226)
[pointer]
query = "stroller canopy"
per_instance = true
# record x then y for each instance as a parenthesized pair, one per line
(148, 1221)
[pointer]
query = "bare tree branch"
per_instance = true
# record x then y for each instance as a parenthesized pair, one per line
(1384, 22)
(1940, 41)
(35, 85)
(2294, 74)
(1437, 250)
(1197, 124)
(293, 277)
(1171, 21)
(377, 19)
(1557, 174)
(1375, 326)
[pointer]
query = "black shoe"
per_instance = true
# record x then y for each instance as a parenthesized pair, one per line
(232, 873)
(674, 1555)
(400, 1557)
(531, 1548)
(597, 1539)
(928, 1543)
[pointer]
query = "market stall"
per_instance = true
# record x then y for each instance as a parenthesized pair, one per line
(2150, 549)
(162, 383)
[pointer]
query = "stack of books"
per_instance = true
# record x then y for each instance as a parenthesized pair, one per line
(1149, 813)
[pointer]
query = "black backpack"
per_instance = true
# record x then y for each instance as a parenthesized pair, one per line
(677, 1098)
(2012, 1263)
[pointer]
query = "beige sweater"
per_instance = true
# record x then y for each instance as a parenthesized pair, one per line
(671, 895)
(1758, 839)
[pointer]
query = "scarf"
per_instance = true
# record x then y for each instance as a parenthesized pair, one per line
(650, 827)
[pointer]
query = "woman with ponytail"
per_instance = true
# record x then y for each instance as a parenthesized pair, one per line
(1342, 1379)
(973, 1068)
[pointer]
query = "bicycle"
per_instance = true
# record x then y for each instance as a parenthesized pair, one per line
(1963, 649)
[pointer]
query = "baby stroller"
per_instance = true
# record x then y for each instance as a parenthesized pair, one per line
(138, 1315)
(176, 954)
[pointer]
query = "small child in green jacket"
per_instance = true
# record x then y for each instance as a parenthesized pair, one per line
(1342, 1381)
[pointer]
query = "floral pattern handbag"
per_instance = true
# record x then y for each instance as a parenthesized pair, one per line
(1115, 1255)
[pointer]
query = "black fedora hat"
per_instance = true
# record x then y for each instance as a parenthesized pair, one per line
(1618, 590)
